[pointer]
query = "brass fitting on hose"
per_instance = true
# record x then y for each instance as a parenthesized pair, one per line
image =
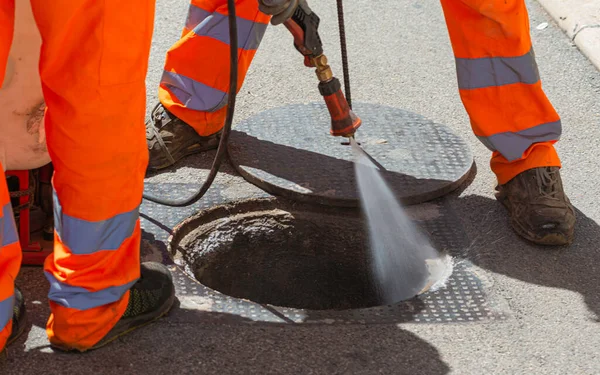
(304, 25)
(323, 70)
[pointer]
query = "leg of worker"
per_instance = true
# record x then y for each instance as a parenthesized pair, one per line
(10, 260)
(501, 90)
(500, 85)
(93, 65)
(195, 82)
(10, 251)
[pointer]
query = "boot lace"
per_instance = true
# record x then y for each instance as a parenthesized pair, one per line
(160, 118)
(548, 182)
(158, 115)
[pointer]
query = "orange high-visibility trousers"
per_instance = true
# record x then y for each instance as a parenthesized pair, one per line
(195, 81)
(500, 86)
(498, 78)
(93, 64)
(10, 259)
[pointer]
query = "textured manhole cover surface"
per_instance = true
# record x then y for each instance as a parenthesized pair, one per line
(288, 151)
(463, 299)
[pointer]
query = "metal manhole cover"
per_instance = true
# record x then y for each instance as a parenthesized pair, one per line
(288, 151)
(464, 299)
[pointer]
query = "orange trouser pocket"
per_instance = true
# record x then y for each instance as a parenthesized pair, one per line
(93, 64)
(195, 82)
(10, 260)
(500, 86)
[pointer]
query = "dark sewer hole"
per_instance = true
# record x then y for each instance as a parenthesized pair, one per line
(283, 254)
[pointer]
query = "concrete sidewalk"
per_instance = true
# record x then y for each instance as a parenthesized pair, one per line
(580, 20)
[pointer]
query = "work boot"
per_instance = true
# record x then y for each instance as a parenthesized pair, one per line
(150, 298)
(18, 320)
(170, 139)
(19, 315)
(538, 207)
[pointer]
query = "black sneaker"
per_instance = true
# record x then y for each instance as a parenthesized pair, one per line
(18, 321)
(151, 298)
(169, 139)
(19, 317)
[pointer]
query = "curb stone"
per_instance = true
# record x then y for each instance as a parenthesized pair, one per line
(580, 20)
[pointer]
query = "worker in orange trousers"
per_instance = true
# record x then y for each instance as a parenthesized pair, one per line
(498, 82)
(93, 64)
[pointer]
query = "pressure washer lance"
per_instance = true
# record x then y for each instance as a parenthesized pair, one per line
(304, 25)
(404, 262)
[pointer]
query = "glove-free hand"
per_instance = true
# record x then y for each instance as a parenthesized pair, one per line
(281, 10)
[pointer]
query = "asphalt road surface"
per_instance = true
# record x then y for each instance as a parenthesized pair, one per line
(400, 56)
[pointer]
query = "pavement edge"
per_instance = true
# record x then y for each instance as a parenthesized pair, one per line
(580, 20)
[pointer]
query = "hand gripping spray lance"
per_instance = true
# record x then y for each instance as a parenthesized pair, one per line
(303, 23)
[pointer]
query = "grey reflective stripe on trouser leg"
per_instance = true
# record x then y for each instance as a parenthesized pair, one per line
(8, 236)
(216, 26)
(496, 71)
(512, 145)
(8, 228)
(195, 16)
(84, 237)
(6, 311)
(192, 94)
(197, 95)
(81, 299)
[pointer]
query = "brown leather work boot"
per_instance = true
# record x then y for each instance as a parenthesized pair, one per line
(170, 139)
(538, 207)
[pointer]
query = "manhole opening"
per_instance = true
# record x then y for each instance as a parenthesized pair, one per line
(283, 254)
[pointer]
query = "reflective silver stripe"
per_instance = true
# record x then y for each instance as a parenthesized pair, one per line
(86, 237)
(496, 71)
(81, 299)
(194, 95)
(195, 16)
(6, 311)
(8, 229)
(250, 33)
(513, 145)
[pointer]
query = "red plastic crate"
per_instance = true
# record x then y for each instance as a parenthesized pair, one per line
(33, 252)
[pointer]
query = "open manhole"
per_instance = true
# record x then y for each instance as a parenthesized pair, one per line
(280, 253)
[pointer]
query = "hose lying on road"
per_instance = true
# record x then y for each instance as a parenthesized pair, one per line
(233, 79)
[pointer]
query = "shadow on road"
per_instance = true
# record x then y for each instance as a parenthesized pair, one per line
(202, 161)
(190, 341)
(500, 250)
(302, 174)
(196, 341)
(293, 173)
